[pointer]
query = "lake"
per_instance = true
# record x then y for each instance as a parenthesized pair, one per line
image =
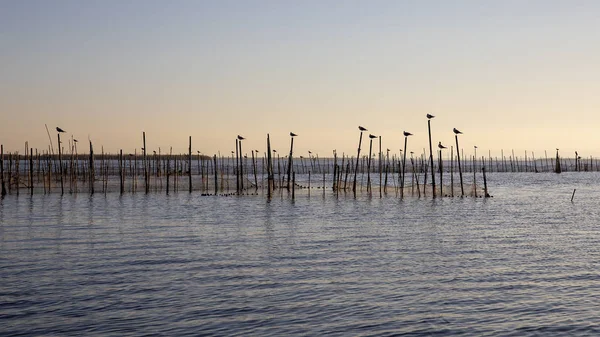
(523, 263)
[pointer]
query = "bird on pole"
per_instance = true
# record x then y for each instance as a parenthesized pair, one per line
(372, 136)
(292, 134)
(456, 132)
(240, 137)
(361, 128)
(406, 133)
(59, 129)
(430, 116)
(441, 146)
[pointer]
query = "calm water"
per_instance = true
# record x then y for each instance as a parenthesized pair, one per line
(524, 263)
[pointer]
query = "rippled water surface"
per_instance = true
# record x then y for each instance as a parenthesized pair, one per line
(524, 263)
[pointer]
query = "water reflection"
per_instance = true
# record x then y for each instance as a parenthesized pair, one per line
(185, 264)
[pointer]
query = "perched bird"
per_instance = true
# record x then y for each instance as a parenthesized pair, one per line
(430, 116)
(406, 134)
(274, 150)
(372, 136)
(362, 128)
(293, 134)
(456, 131)
(59, 129)
(441, 146)
(309, 152)
(75, 140)
(240, 137)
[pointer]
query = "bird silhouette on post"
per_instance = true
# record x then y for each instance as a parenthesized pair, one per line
(430, 116)
(440, 146)
(456, 132)
(292, 134)
(361, 128)
(240, 137)
(59, 129)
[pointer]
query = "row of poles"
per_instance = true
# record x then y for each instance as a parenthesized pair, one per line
(239, 165)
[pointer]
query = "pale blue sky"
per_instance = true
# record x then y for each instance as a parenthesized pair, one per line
(510, 74)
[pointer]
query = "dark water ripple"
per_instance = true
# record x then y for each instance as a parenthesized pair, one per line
(524, 263)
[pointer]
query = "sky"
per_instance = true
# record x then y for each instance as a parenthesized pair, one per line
(511, 75)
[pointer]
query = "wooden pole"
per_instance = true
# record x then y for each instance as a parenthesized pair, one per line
(380, 169)
(485, 189)
(31, 170)
(431, 159)
(169, 169)
(146, 180)
(190, 165)
(3, 193)
(441, 173)
(451, 171)
(237, 166)
(216, 175)
(62, 188)
(369, 166)
(289, 168)
(462, 189)
(403, 168)
(357, 160)
(270, 177)
(121, 175)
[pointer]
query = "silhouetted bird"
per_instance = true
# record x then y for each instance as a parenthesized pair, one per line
(240, 137)
(372, 136)
(274, 150)
(75, 140)
(430, 116)
(456, 131)
(59, 129)
(293, 134)
(362, 128)
(309, 152)
(406, 134)
(441, 146)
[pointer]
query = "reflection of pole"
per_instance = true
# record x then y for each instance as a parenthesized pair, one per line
(431, 159)
(462, 190)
